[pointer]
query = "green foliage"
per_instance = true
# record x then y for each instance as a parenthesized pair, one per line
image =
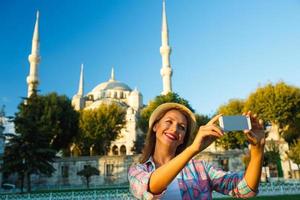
(25, 156)
(233, 107)
(51, 116)
(292, 132)
(87, 172)
(99, 127)
(278, 104)
(200, 120)
(158, 100)
(146, 112)
(236, 139)
(44, 124)
(272, 156)
(294, 152)
(139, 143)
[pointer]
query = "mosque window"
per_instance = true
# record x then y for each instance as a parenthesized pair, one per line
(90, 97)
(123, 150)
(109, 169)
(115, 150)
(65, 171)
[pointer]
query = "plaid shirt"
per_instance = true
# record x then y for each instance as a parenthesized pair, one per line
(196, 180)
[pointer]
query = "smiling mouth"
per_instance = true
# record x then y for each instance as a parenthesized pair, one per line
(171, 136)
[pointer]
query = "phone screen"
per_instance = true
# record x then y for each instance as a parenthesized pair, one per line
(235, 123)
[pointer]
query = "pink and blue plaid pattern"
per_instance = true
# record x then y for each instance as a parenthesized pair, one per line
(197, 180)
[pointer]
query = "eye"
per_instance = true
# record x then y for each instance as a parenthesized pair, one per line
(168, 121)
(182, 127)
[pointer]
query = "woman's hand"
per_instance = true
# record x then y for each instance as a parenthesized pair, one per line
(255, 136)
(206, 135)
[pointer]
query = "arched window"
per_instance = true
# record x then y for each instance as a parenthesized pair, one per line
(115, 150)
(123, 150)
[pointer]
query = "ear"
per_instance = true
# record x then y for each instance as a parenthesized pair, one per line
(154, 127)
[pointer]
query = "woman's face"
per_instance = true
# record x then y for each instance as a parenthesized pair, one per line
(171, 129)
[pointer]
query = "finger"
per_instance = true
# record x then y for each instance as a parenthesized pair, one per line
(214, 119)
(213, 128)
(211, 133)
(251, 137)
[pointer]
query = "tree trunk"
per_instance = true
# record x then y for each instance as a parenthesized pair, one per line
(22, 182)
(87, 182)
(299, 171)
(28, 182)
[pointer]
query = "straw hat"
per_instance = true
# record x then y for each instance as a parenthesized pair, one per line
(161, 110)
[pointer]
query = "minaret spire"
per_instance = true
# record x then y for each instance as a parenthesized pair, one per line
(78, 100)
(165, 51)
(112, 76)
(164, 27)
(80, 88)
(34, 59)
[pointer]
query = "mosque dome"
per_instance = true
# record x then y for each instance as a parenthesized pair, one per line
(111, 85)
(110, 89)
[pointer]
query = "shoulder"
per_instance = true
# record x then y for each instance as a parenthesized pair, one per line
(197, 163)
(138, 168)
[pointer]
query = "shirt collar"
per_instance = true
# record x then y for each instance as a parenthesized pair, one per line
(150, 163)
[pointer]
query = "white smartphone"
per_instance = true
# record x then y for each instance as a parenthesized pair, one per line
(235, 123)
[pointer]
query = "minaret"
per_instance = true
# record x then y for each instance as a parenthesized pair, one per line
(80, 87)
(165, 51)
(112, 76)
(34, 59)
(78, 99)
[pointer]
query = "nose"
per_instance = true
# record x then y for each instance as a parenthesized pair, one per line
(174, 127)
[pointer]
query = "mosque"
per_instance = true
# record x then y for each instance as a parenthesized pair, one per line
(113, 167)
(110, 91)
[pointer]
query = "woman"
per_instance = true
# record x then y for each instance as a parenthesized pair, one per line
(168, 171)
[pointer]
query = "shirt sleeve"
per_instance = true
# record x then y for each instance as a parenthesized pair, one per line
(229, 183)
(138, 178)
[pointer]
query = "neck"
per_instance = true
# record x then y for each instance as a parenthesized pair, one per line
(162, 155)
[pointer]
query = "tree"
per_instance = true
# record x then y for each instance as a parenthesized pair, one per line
(292, 132)
(87, 172)
(27, 155)
(272, 156)
(278, 104)
(200, 120)
(45, 124)
(60, 121)
(158, 100)
(99, 127)
(294, 153)
(52, 116)
(145, 113)
(233, 139)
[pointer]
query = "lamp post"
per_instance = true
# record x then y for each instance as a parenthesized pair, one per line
(91, 149)
(2, 143)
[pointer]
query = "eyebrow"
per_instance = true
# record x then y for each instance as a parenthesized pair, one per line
(181, 123)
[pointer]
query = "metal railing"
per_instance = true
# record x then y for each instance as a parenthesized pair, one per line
(122, 193)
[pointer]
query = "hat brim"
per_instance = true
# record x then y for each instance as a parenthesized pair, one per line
(161, 110)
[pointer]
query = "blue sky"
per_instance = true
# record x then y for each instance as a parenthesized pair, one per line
(220, 49)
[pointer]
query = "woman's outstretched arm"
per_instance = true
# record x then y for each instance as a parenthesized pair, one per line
(256, 137)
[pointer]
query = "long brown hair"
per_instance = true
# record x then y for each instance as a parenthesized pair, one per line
(150, 141)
